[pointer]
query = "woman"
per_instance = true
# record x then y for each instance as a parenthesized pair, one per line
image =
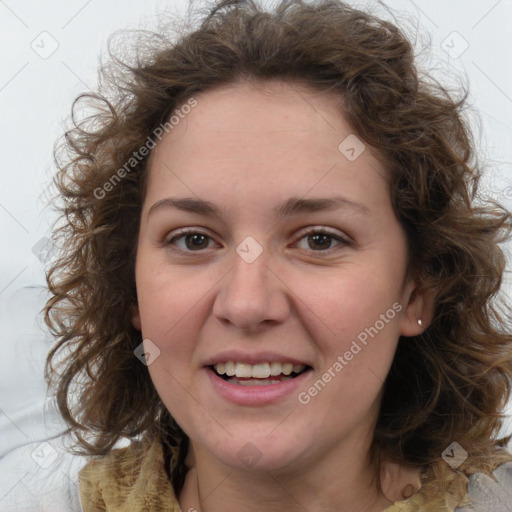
(276, 281)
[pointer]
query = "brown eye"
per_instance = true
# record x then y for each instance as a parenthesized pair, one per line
(321, 240)
(190, 241)
(196, 241)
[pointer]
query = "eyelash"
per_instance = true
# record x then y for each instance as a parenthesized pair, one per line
(343, 241)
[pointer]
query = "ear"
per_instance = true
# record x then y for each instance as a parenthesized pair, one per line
(136, 318)
(420, 303)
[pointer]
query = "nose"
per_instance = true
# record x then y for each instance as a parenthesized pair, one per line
(252, 295)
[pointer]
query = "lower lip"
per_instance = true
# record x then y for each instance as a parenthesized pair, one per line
(256, 395)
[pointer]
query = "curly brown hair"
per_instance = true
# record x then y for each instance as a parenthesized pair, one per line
(451, 383)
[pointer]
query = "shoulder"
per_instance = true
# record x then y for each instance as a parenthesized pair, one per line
(131, 478)
(490, 494)
(478, 493)
(435, 496)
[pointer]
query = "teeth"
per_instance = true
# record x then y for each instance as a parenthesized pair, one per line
(260, 371)
(287, 368)
(255, 382)
(229, 368)
(275, 369)
(257, 371)
(243, 370)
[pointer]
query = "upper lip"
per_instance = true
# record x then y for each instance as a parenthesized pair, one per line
(238, 356)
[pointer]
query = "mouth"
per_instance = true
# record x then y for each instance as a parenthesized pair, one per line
(262, 374)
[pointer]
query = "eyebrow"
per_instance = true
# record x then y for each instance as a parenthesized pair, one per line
(291, 206)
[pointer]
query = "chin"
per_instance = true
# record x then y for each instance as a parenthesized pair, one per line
(256, 453)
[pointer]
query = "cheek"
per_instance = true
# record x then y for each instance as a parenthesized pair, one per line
(167, 297)
(169, 306)
(356, 328)
(345, 304)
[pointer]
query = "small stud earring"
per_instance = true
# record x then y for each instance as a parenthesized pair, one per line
(420, 323)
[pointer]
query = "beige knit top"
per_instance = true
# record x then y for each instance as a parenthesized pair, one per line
(134, 479)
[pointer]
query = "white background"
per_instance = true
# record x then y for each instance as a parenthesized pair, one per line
(36, 91)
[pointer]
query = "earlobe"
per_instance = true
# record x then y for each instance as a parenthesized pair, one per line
(136, 318)
(419, 311)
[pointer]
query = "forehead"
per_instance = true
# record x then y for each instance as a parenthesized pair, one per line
(275, 132)
(242, 114)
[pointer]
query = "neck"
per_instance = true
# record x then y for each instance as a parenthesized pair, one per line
(341, 483)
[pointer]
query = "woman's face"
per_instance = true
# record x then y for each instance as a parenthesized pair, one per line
(292, 256)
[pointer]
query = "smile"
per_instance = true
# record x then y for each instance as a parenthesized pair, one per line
(256, 378)
(257, 390)
(261, 374)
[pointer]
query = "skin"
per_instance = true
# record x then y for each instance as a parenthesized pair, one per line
(247, 148)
